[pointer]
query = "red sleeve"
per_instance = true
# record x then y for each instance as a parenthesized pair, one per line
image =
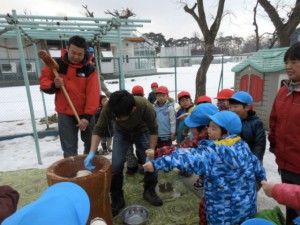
(46, 79)
(287, 194)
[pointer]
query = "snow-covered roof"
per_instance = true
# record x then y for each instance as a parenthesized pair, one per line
(266, 60)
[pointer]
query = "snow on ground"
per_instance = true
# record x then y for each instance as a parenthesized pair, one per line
(20, 153)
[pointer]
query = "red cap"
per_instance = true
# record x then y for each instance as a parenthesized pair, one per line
(162, 89)
(225, 94)
(184, 93)
(154, 84)
(137, 90)
(203, 98)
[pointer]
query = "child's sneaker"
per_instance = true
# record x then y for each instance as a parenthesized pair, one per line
(198, 185)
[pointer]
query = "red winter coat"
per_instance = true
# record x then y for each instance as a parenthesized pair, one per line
(287, 194)
(81, 83)
(284, 133)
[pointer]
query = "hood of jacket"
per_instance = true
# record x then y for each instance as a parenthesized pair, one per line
(163, 107)
(251, 115)
(232, 150)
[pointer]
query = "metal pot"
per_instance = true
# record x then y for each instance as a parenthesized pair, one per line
(135, 215)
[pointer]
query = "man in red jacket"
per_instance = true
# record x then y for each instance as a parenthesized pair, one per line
(80, 79)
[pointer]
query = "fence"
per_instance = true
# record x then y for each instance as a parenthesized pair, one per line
(14, 102)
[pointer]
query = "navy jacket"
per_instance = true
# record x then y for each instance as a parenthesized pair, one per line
(254, 134)
(152, 97)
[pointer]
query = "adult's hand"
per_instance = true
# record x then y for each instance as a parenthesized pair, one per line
(88, 161)
(83, 124)
(59, 82)
(268, 187)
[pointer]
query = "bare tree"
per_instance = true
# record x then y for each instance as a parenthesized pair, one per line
(272, 37)
(255, 25)
(102, 84)
(88, 13)
(284, 27)
(209, 35)
(123, 14)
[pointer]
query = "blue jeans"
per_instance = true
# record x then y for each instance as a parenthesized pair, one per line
(68, 133)
(121, 143)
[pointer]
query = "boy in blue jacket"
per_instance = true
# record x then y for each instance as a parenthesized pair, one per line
(253, 131)
(230, 169)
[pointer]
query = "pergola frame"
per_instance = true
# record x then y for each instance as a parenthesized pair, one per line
(35, 28)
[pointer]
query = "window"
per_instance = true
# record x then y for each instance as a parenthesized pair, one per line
(30, 67)
(8, 67)
(106, 54)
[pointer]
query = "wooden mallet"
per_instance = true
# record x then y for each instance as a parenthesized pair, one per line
(52, 64)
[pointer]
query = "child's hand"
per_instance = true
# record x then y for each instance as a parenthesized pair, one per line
(149, 167)
(150, 154)
(182, 116)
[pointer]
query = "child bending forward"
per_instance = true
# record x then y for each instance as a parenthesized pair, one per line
(230, 169)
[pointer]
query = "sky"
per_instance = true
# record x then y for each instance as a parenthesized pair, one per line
(20, 153)
(167, 16)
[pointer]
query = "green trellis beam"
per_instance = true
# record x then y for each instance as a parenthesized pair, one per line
(35, 28)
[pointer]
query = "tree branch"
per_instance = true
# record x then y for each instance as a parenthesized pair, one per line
(216, 24)
(88, 13)
(191, 11)
(255, 25)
